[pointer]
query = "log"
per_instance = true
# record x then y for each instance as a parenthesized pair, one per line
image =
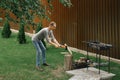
(68, 59)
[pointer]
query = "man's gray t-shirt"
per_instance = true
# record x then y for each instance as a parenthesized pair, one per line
(44, 33)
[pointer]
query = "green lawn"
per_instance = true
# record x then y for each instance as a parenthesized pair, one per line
(17, 62)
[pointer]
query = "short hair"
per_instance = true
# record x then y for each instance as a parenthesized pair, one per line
(52, 23)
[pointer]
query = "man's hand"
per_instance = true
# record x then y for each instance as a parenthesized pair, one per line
(56, 46)
(63, 46)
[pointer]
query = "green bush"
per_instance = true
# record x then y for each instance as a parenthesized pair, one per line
(6, 32)
(1, 19)
(39, 27)
(21, 34)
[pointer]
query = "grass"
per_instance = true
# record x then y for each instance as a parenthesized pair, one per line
(17, 62)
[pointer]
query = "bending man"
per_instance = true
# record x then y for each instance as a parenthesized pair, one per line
(45, 33)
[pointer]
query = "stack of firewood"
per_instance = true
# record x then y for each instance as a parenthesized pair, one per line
(81, 63)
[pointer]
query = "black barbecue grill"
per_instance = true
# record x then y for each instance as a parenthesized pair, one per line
(99, 46)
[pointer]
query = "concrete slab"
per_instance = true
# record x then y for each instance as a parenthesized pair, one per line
(90, 74)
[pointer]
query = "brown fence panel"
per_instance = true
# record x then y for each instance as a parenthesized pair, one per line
(89, 20)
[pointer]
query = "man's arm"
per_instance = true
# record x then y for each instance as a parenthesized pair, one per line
(54, 44)
(54, 39)
(50, 42)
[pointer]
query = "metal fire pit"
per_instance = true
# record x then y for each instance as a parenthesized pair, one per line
(99, 46)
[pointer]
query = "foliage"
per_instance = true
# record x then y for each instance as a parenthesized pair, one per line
(6, 32)
(66, 3)
(39, 27)
(1, 19)
(24, 9)
(21, 34)
(28, 9)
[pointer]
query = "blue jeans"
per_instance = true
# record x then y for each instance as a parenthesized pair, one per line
(40, 50)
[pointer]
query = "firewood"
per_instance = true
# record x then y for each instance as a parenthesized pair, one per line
(68, 62)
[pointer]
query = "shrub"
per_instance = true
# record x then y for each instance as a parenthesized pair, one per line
(21, 34)
(39, 27)
(1, 19)
(6, 32)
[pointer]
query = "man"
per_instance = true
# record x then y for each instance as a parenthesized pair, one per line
(45, 33)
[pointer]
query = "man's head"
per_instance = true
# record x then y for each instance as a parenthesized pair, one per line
(52, 25)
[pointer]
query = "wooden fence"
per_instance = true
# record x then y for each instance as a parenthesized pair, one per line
(89, 20)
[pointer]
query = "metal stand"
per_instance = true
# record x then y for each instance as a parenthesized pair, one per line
(98, 46)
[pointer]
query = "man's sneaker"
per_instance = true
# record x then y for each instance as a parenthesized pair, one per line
(45, 64)
(38, 68)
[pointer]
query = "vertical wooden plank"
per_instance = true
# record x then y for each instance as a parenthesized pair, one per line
(111, 24)
(83, 23)
(100, 22)
(106, 20)
(96, 19)
(87, 19)
(116, 28)
(80, 24)
(88, 15)
(103, 19)
(92, 18)
(118, 25)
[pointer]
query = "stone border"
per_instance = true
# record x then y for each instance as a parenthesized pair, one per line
(26, 33)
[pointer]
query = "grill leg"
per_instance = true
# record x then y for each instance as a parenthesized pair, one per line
(99, 62)
(109, 61)
(96, 56)
(87, 57)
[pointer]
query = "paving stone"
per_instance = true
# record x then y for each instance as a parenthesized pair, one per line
(90, 74)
